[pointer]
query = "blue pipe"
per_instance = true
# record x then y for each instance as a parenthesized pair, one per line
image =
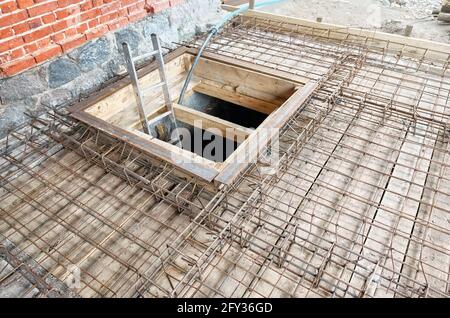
(211, 33)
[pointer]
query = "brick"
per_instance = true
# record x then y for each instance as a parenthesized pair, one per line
(174, 3)
(17, 66)
(120, 23)
(23, 4)
(93, 23)
(5, 57)
(35, 23)
(49, 18)
(21, 28)
(97, 3)
(123, 12)
(10, 44)
(17, 53)
(137, 16)
(138, 4)
(109, 17)
(141, 4)
(125, 3)
(82, 28)
(42, 43)
(110, 8)
(58, 37)
(6, 32)
(133, 9)
(66, 3)
(37, 34)
(42, 8)
(73, 42)
(47, 53)
(71, 32)
(88, 15)
(159, 6)
(97, 32)
(86, 5)
(60, 25)
(30, 48)
(66, 12)
(8, 7)
(12, 18)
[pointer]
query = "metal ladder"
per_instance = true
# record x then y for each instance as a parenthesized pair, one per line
(157, 53)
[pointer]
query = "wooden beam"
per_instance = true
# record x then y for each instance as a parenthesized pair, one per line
(184, 160)
(233, 76)
(259, 105)
(189, 115)
(113, 88)
(255, 143)
(159, 117)
(261, 69)
(123, 99)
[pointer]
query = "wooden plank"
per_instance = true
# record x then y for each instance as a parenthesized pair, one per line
(234, 76)
(111, 89)
(247, 91)
(126, 117)
(185, 160)
(159, 117)
(288, 77)
(189, 116)
(124, 97)
(236, 98)
(255, 143)
(282, 114)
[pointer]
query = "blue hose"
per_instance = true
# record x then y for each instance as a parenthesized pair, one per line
(211, 33)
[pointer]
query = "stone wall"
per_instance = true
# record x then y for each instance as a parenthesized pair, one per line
(62, 80)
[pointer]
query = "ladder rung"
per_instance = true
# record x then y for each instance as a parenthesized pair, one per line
(154, 86)
(144, 56)
(158, 118)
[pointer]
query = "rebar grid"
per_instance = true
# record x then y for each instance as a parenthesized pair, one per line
(68, 211)
(359, 206)
(387, 80)
(397, 107)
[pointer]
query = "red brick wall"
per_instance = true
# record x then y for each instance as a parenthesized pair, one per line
(33, 31)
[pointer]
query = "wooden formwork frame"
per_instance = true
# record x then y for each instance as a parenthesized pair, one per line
(253, 141)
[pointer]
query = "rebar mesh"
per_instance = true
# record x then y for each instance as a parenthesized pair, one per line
(359, 206)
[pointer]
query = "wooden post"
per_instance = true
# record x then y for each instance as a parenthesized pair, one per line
(444, 17)
(408, 30)
(251, 4)
(445, 6)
